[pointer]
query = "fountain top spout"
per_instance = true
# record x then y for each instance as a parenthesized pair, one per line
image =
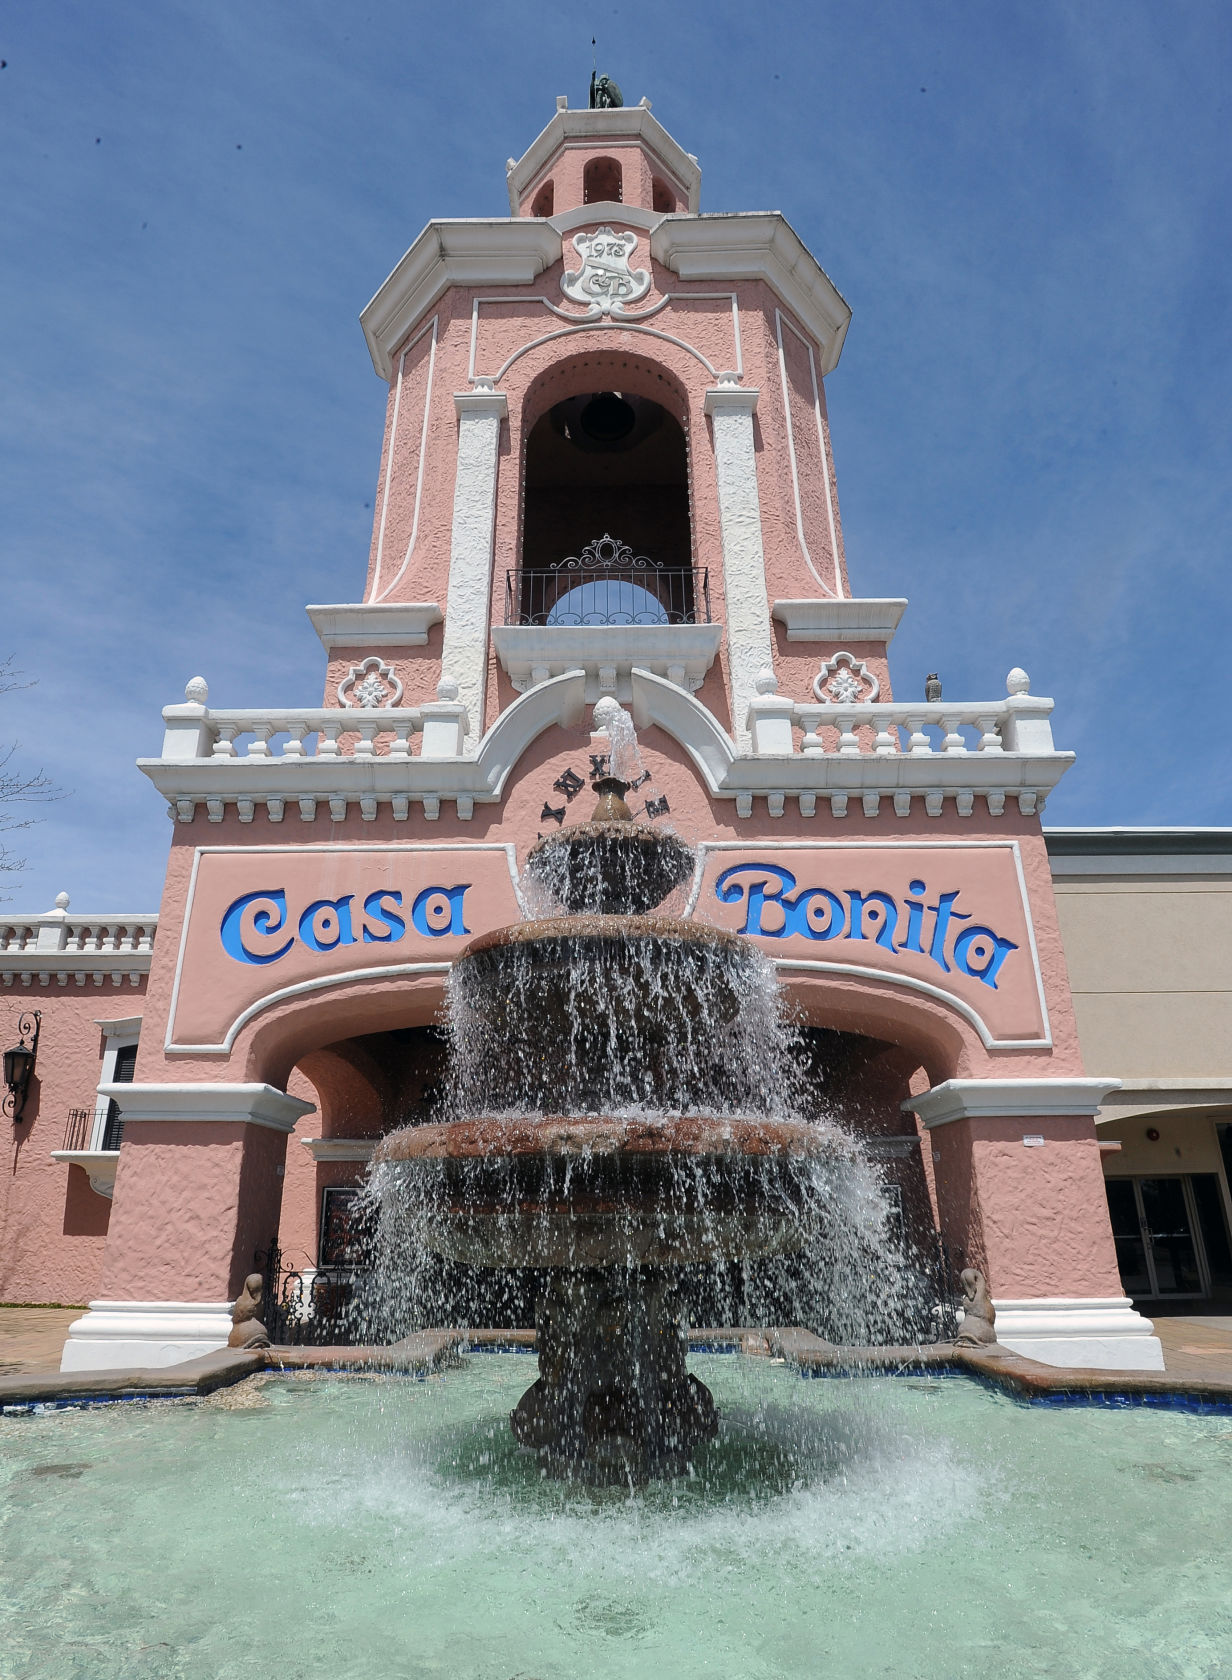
(610, 805)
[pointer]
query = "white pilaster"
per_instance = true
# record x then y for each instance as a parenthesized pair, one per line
(1103, 1334)
(464, 651)
(145, 1335)
(749, 642)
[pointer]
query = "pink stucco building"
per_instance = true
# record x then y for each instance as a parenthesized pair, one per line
(606, 470)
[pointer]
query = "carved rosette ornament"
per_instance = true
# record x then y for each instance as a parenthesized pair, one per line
(845, 680)
(604, 283)
(370, 686)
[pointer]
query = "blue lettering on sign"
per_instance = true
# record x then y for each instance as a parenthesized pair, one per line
(438, 911)
(774, 909)
(393, 924)
(250, 927)
(268, 920)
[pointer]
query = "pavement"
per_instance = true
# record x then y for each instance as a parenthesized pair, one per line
(31, 1338)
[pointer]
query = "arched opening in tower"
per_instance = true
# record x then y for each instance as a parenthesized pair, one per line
(606, 535)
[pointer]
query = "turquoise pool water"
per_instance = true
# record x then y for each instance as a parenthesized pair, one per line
(387, 1529)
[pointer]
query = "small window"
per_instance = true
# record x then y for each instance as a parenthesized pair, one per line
(602, 182)
(662, 198)
(544, 200)
(346, 1227)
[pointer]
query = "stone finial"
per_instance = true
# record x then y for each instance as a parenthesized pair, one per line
(447, 688)
(606, 711)
(1018, 682)
(196, 691)
(61, 901)
(562, 101)
(645, 103)
(766, 682)
(510, 165)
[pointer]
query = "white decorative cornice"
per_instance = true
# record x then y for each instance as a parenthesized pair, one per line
(340, 1148)
(1011, 1099)
(124, 1026)
(388, 624)
(256, 1105)
(624, 124)
(758, 246)
(608, 654)
(453, 253)
(99, 1166)
(850, 620)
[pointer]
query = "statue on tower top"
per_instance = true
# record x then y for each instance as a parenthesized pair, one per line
(605, 94)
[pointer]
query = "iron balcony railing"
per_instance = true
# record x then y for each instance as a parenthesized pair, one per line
(81, 1123)
(607, 584)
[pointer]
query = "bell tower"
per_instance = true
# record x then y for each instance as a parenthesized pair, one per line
(606, 475)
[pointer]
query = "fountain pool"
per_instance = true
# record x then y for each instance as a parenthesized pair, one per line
(382, 1528)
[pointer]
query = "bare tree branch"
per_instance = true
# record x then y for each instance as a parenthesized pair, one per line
(18, 787)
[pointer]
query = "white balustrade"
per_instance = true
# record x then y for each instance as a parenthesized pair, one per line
(57, 931)
(920, 729)
(295, 733)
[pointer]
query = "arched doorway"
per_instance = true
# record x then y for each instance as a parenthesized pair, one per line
(606, 531)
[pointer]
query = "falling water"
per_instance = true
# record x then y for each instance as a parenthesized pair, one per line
(628, 1145)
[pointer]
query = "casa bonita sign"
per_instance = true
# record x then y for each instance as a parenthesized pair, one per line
(256, 928)
(775, 908)
(263, 923)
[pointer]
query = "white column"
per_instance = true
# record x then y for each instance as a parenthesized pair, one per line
(464, 652)
(750, 645)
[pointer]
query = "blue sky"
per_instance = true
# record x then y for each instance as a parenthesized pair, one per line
(1026, 204)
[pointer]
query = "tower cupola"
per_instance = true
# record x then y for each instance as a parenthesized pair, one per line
(616, 155)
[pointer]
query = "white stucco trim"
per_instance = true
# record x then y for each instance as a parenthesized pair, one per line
(1014, 1099)
(374, 624)
(464, 647)
(145, 1335)
(834, 588)
(99, 1166)
(750, 644)
(849, 619)
(758, 245)
(1102, 1334)
(256, 1105)
(680, 653)
(340, 1149)
(376, 591)
(462, 252)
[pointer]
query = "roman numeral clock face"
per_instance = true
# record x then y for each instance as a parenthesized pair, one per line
(569, 784)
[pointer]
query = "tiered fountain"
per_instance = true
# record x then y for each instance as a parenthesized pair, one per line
(616, 1074)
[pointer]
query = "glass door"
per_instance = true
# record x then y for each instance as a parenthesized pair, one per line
(1155, 1227)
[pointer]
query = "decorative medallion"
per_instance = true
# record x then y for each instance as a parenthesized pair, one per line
(605, 283)
(370, 686)
(845, 680)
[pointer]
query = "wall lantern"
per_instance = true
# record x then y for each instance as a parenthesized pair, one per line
(19, 1063)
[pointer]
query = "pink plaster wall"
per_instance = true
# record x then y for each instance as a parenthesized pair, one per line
(193, 1201)
(54, 1224)
(1034, 1220)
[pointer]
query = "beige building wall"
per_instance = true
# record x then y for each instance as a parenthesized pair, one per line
(1146, 921)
